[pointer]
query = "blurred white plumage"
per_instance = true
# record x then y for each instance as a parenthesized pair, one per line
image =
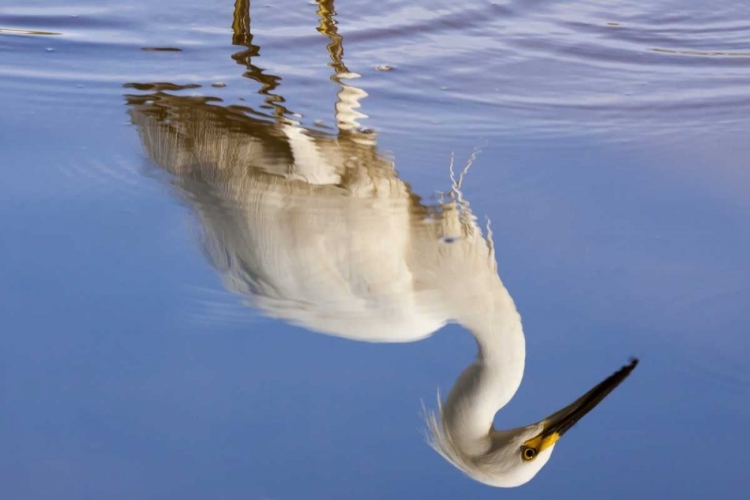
(318, 230)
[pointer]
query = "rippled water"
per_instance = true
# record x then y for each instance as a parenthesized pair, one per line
(244, 245)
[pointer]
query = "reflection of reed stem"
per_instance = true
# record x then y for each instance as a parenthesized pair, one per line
(241, 23)
(327, 27)
(242, 36)
(349, 96)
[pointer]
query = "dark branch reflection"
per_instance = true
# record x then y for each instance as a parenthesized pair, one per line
(242, 36)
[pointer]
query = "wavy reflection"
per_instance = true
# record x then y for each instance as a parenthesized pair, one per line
(243, 37)
(319, 230)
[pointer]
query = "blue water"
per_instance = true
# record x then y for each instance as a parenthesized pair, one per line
(614, 176)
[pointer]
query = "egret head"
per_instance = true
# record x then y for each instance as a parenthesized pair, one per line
(510, 458)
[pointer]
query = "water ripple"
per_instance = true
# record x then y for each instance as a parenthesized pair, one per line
(87, 179)
(593, 63)
(541, 67)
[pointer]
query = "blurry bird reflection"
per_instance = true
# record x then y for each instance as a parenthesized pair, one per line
(318, 230)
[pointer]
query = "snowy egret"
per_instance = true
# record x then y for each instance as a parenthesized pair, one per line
(318, 230)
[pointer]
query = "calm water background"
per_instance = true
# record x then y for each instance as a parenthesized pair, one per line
(613, 151)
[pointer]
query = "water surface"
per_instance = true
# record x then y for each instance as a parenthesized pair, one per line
(608, 149)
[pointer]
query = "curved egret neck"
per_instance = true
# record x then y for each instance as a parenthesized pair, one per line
(492, 379)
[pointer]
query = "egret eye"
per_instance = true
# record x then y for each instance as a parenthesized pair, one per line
(528, 454)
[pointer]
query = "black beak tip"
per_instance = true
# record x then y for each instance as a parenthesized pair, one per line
(623, 372)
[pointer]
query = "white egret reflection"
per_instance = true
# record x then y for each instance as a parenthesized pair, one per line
(318, 230)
